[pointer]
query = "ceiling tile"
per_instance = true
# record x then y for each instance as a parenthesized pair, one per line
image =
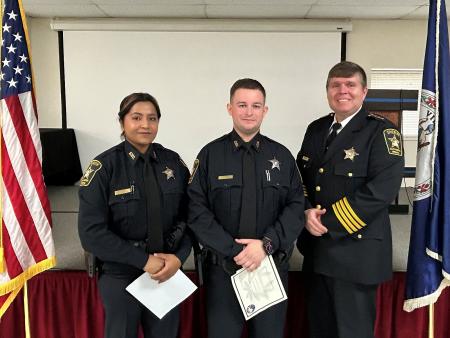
(155, 11)
(254, 11)
(63, 11)
(232, 3)
(419, 13)
(360, 12)
(168, 3)
(372, 3)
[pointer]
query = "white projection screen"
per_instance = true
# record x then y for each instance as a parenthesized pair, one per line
(190, 74)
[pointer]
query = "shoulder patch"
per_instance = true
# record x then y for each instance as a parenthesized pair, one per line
(393, 140)
(94, 166)
(194, 170)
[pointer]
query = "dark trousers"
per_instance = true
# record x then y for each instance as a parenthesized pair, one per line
(225, 318)
(123, 313)
(340, 309)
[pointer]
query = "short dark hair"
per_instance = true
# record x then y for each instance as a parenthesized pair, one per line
(129, 101)
(347, 69)
(247, 84)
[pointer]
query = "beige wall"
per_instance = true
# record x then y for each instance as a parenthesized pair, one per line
(44, 52)
(389, 44)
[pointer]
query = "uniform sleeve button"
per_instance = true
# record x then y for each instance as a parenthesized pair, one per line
(318, 188)
(359, 236)
(318, 206)
(321, 170)
(350, 174)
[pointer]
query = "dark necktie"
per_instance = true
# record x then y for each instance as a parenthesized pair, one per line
(154, 218)
(247, 225)
(334, 128)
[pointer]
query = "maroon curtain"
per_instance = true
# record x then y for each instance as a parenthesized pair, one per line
(65, 304)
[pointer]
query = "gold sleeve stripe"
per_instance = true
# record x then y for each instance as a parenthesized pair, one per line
(341, 220)
(348, 215)
(350, 209)
(344, 217)
(305, 192)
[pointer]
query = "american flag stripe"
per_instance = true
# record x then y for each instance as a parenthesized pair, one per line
(26, 234)
(20, 250)
(16, 125)
(13, 265)
(29, 112)
(21, 209)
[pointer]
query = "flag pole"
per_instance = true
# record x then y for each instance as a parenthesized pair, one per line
(431, 320)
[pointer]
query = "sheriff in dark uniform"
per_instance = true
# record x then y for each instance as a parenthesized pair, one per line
(132, 217)
(246, 201)
(351, 164)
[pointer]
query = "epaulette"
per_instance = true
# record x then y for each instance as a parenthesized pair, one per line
(376, 117)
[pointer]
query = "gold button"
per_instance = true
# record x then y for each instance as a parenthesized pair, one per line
(350, 174)
(321, 170)
(359, 236)
(318, 206)
(318, 188)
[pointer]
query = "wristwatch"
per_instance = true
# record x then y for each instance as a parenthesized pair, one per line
(267, 245)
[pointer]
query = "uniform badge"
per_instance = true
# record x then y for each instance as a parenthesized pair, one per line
(169, 173)
(132, 155)
(393, 141)
(350, 154)
(94, 166)
(194, 170)
(275, 163)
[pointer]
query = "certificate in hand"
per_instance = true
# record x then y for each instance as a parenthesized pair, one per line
(160, 298)
(258, 290)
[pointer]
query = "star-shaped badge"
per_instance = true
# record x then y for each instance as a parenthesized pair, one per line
(350, 154)
(275, 163)
(395, 142)
(169, 173)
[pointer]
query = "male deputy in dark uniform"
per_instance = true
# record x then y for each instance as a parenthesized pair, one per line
(246, 202)
(351, 163)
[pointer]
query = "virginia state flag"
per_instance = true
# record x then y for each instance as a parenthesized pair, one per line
(428, 270)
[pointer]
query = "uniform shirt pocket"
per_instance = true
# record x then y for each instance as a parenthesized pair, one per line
(350, 176)
(274, 195)
(123, 208)
(226, 192)
(172, 197)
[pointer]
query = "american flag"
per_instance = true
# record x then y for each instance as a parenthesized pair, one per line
(429, 250)
(26, 243)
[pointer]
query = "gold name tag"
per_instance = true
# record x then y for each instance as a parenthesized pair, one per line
(225, 177)
(122, 191)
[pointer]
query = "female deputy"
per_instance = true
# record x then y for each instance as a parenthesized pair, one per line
(132, 217)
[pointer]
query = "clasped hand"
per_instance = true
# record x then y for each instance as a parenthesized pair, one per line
(162, 266)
